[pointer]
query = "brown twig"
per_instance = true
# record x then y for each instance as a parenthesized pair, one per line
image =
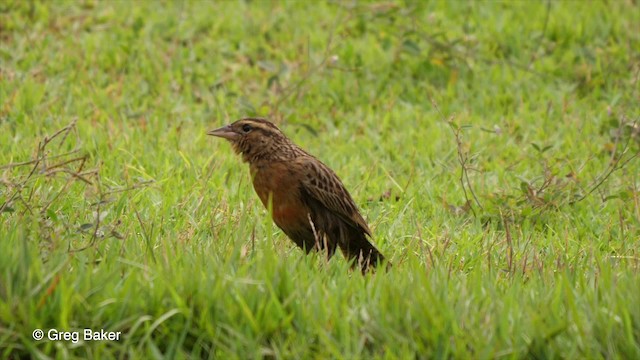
(64, 188)
(23, 183)
(29, 162)
(422, 245)
(79, 176)
(615, 164)
(94, 233)
(509, 239)
(147, 234)
(135, 186)
(462, 160)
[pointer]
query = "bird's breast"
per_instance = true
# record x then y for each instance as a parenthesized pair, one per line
(278, 188)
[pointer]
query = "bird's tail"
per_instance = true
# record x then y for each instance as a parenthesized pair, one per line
(358, 249)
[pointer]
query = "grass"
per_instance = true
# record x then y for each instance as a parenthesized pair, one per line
(492, 147)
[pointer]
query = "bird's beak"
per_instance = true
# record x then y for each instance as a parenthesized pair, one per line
(224, 132)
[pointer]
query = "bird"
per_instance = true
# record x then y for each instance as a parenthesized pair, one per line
(307, 200)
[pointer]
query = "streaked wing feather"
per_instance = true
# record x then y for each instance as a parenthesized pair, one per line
(325, 186)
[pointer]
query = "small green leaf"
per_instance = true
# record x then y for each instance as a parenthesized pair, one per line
(411, 47)
(86, 226)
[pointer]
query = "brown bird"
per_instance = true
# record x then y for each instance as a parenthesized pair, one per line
(307, 199)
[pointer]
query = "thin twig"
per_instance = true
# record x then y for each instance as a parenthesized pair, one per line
(509, 238)
(94, 234)
(22, 184)
(422, 245)
(462, 159)
(74, 174)
(29, 162)
(64, 188)
(615, 164)
(135, 186)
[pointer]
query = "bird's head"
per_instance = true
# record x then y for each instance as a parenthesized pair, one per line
(256, 139)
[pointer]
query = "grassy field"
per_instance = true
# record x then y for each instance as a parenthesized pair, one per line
(492, 146)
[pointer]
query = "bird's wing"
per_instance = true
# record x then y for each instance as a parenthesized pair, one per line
(323, 185)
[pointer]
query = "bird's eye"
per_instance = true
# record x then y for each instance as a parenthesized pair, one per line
(246, 128)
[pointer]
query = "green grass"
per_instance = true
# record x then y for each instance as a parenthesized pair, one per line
(131, 219)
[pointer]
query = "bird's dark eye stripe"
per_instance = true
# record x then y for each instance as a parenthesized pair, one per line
(259, 128)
